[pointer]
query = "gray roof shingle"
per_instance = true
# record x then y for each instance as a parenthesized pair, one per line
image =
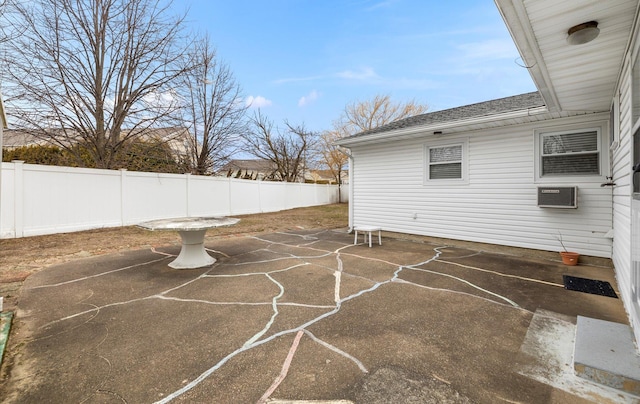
(493, 107)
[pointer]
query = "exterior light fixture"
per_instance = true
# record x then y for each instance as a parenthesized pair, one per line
(583, 33)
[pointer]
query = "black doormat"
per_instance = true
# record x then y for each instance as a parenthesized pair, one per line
(592, 286)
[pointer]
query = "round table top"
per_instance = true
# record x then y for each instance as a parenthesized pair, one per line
(188, 223)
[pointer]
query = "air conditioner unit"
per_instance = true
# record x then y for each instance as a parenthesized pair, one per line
(558, 197)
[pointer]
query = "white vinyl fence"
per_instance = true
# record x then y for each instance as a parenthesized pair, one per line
(37, 199)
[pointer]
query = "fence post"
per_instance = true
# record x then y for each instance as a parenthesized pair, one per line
(123, 205)
(229, 188)
(18, 198)
(259, 185)
(187, 190)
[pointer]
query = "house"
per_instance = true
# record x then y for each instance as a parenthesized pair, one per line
(254, 169)
(480, 172)
(177, 138)
(325, 177)
(15, 138)
(261, 169)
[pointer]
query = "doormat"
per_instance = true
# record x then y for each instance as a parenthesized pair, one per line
(592, 286)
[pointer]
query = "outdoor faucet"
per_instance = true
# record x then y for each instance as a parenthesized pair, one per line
(609, 182)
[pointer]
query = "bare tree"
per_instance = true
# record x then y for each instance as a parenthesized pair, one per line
(5, 33)
(287, 151)
(92, 73)
(361, 116)
(332, 156)
(365, 115)
(212, 108)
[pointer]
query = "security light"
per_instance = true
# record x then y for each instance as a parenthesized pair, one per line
(583, 33)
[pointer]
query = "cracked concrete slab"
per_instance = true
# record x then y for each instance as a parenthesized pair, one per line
(301, 316)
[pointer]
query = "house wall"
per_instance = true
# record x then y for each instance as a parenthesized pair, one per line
(623, 204)
(37, 199)
(497, 205)
(621, 161)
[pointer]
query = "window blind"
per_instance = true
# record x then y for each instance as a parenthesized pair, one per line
(445, 162)
(571, 154)
(445, 171)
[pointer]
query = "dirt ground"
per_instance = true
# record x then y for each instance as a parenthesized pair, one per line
(22, 257)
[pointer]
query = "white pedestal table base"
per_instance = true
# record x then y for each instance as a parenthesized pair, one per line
(192, 254)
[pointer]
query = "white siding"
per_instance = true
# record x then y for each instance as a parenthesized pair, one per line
(621, 161)
(622, 200)
(497, 205)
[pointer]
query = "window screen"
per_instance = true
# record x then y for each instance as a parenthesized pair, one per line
(571, 154)
(445, 162)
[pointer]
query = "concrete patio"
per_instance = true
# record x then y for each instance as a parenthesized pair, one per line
(307, 315)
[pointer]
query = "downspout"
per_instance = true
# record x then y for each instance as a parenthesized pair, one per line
(351, 162)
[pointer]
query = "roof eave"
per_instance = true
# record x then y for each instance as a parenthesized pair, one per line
(517, 21)
(440, 126)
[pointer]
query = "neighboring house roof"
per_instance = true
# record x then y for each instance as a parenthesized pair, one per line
(324, 175)
(258, 165)
(13, 138)
(176, 137)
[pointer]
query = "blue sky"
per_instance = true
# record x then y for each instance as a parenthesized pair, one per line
(304, 60)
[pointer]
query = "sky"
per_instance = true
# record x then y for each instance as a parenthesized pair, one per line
(304, 60)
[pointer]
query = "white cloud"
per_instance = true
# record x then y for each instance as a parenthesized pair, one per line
(257, 101)
(309, 98)
(364, 73)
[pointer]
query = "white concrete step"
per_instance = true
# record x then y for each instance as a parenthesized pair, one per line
(605, 353)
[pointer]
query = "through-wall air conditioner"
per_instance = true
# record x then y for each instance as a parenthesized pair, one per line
(558, 197)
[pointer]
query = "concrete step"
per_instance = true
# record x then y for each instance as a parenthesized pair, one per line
(605, 353)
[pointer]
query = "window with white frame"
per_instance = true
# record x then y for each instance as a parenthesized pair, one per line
(570, 153)
(445, 162)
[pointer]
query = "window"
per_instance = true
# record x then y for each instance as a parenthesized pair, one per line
(570, 153)
(446, 161)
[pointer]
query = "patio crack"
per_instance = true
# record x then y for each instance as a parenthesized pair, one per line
(255, 341)
(308, 252)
